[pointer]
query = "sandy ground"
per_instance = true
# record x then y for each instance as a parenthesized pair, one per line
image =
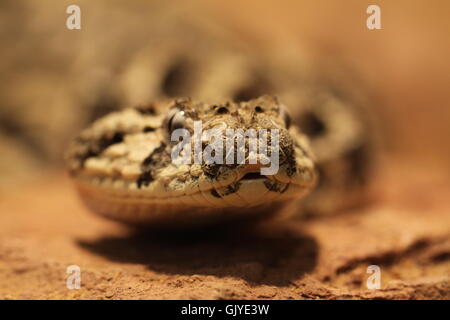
(406, 232)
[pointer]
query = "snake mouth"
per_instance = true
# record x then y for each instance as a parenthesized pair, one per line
(253, 176)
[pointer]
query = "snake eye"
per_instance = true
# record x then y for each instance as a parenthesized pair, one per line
(175, 120)
(286, 117)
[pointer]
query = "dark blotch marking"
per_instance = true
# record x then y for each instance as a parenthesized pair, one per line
(287, 118)
(232, 188)
(176, 81)
(211, 170)
(292, 168)
(312, 125)
(116, 138)
(144, 179)
(96, 147)
(83, 157)
(17, 129)
(253, 90)
(146, 109)
(291, 171)
(359, 165)
(322, 181)
(228, 190)
(151, 158)
(275, 186)
(215, 194)
(152, 161)
(148, 129)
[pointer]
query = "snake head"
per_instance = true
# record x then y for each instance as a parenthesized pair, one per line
(192, 161)
(239, 154)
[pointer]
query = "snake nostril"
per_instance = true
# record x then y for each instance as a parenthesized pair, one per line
(259, 109)
(222, 110)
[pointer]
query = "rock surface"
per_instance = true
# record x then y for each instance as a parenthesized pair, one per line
(44, 229)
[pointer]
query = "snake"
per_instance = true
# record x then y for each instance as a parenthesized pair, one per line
(123, 168)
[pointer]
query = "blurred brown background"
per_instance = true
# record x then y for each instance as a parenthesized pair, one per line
(407, 62)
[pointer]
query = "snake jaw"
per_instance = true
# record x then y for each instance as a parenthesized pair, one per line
(250, 188)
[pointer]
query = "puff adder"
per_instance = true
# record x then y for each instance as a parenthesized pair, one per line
(123, 170)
